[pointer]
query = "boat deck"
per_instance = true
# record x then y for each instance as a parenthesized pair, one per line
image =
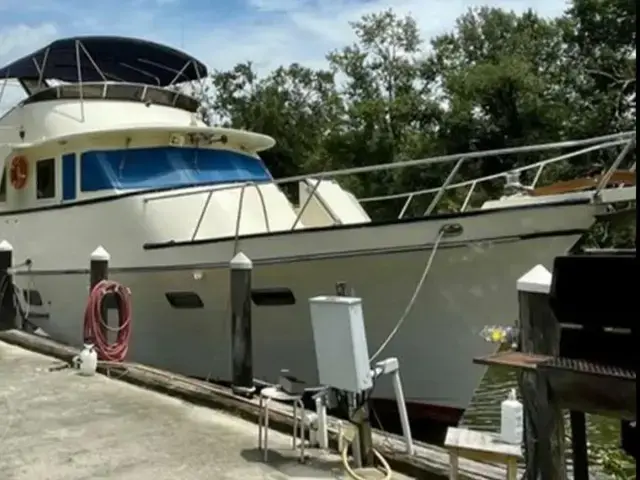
(57, 425)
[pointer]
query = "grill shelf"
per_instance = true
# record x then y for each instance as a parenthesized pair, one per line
(587, 368)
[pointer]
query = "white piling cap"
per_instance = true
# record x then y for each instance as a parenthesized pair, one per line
(241, 262)
(5, 246)
(536, 280)
(100, 254)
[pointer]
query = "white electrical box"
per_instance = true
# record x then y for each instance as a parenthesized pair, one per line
(341, 343)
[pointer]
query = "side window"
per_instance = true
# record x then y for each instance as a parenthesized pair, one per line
(46, 178)
(3, 185)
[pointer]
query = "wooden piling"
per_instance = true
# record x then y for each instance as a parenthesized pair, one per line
(98, 266)
(99, 271)
(241, 269)
(8, 312)
(543, 423)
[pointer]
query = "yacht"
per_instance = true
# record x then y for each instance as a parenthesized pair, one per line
(107, 150)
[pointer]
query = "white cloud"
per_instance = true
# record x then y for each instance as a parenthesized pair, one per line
(267, 32)
(16, 41)
(284, 31)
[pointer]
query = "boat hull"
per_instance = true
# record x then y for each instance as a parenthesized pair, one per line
(471, 283)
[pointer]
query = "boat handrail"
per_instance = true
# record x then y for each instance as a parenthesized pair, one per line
(241, 208)
(210, 191)
(218, 188)
(109, 90)
(596, 143)
(604, 180)
(474, 182)
(320, 200)
(453, 157)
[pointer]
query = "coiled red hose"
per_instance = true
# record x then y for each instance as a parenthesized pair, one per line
(96, 327)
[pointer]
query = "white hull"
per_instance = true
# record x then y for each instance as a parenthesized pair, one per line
(471, 284)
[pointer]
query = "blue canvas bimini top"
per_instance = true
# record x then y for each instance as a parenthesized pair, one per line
(119, 59)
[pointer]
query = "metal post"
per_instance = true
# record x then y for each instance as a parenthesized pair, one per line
(99, 271)
(360, 411)
(321, 411)
(402, 410)
(241, 338)
(8, 313)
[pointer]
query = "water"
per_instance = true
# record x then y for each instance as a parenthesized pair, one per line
(484, 414)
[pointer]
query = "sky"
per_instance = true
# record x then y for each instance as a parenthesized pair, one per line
(222, 33)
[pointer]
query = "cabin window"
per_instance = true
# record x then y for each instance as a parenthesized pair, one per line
(33, 298)
(278, 296)
(184, 300)
(165, 167)
(46, 178)
(3, 184)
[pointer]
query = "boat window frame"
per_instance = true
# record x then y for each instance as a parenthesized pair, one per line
(31, 86)
(52, 187)
(99, 162)
(3, 183)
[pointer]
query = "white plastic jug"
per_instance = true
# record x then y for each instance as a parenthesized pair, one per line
(511, 420)
(88, 360)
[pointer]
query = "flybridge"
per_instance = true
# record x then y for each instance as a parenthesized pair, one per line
(104, 59)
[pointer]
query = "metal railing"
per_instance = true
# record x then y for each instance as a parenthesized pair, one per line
(627, 139)
(591, 144)
(242, 187)
(439, 191)
(322, 203)
(210, 192)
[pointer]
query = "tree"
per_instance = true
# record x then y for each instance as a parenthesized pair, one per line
(392, 113)
(295, 105)
(602, 36)
(502, 79)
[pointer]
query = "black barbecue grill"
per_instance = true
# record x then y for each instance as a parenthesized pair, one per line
(592, 297)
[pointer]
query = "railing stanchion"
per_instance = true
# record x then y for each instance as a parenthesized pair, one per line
(467, 199)
(264, 207)
(405, 207)
(443, 187)
(202, 214)
(306, 202)
(605, 178)
(238, 219)
(537, 177)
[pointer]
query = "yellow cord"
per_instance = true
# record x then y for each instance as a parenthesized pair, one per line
(352, 473)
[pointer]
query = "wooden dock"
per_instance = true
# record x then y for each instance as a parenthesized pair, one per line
(428, 461)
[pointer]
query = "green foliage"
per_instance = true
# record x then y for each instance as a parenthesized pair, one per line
(613, 462)
(498, 79)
